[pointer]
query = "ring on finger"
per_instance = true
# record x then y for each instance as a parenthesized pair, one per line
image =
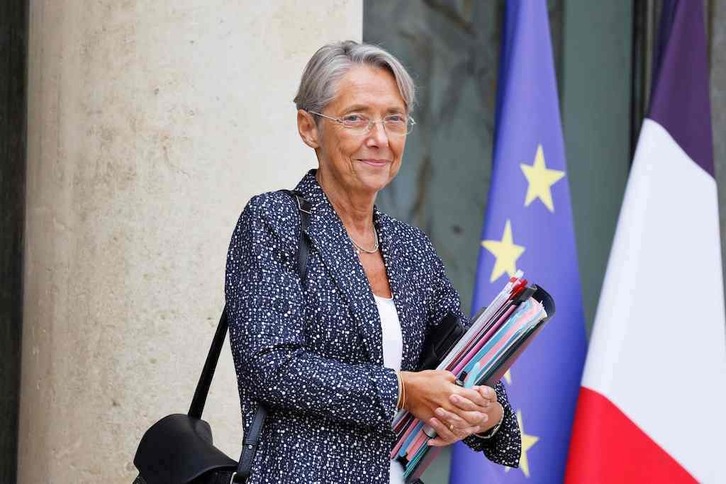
(451, 427)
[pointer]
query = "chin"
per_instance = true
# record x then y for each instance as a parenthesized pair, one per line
(376, 182)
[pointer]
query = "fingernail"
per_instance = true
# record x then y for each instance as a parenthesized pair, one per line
(439, 412)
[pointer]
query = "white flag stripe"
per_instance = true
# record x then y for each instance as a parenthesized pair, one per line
(658, 349)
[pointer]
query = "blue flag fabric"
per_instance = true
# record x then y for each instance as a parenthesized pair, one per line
(528, 226)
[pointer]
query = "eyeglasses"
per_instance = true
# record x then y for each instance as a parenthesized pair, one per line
(394, 124)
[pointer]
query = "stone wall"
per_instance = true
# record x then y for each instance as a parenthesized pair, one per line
(151, 123)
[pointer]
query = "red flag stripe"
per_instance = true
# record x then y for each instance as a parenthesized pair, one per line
(608, 447)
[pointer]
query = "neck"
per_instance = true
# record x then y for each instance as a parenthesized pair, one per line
(354, 209)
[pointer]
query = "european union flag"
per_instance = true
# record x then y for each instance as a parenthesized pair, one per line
(528, 226)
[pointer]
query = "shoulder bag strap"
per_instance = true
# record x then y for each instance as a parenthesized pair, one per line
(210, 365)
(205, 379)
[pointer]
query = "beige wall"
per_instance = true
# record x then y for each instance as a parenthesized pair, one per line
(151, 122)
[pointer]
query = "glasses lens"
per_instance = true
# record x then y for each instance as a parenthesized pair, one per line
(356, 123)
(395, 125)
(398, 125)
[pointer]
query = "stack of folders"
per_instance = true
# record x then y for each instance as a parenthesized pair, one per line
(496, 337)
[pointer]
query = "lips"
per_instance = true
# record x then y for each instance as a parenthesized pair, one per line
(375, 163)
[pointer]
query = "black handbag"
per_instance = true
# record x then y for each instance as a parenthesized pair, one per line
(440, 339)
(178, 449)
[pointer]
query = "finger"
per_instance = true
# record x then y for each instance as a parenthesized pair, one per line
(478, 404)
(457, 436)
(444, 431)
(472, 395)
(450, 418)
(470, 423)
(462, 419)
(444, 434)
(440, 442)
(487, 393)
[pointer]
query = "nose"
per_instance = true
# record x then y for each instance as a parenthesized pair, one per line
(377, 135)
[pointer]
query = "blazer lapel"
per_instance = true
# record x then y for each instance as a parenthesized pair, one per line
(394, 255)
(327, 234)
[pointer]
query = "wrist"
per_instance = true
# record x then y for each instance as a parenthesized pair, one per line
(401, 403)
(492, 431)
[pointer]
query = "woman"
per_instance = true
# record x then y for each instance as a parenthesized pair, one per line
(333, 357)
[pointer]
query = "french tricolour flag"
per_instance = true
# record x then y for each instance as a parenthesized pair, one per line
(652, 407)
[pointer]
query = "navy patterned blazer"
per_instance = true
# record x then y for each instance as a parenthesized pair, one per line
(311, 350)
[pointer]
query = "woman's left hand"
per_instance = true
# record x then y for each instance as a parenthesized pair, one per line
(473, 415)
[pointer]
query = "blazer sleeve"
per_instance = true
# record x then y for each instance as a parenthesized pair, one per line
(266, 311)
(505, 446)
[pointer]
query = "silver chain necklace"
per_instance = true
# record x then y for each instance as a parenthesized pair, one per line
(359, 249)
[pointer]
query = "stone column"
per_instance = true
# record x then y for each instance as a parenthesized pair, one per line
(150, 124)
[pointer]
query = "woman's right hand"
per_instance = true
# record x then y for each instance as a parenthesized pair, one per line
(428, 390)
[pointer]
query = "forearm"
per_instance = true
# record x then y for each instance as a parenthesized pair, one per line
(284, 376)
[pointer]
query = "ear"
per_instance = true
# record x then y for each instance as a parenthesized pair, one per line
(308, 129)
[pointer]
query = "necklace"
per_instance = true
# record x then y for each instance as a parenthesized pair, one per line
(359, 249)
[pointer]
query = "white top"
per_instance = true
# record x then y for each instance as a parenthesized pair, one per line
(392, 354)
(391, 328)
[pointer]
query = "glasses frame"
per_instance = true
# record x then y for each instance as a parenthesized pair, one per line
(410, 123)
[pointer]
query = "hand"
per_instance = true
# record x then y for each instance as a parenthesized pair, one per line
(428, 390)
(470, 416)
(454, 412)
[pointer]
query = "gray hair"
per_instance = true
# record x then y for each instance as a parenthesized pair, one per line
(332, 61)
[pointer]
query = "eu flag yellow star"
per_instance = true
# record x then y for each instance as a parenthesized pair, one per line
(506, 253)
(540, 179)
(527, 442)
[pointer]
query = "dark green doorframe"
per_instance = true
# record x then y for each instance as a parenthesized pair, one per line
(13, 109)
(645, 15)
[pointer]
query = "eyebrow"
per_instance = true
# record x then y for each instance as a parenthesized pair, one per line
(362, 107)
